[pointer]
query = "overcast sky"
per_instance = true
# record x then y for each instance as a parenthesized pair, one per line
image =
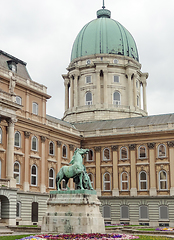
(42, 32)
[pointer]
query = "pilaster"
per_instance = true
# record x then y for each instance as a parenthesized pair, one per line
(98, 171)
(133, 190)
(59, 155)
(171, 154)
(10, 152)
(26, 171)
(43, 165)
(71, 149)
(115, 191)
(153, 191)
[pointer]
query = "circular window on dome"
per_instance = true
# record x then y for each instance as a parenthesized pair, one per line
(115, 61)
(88, 61)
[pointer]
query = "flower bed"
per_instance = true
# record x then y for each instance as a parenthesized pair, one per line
(165, 229)
(81, 237)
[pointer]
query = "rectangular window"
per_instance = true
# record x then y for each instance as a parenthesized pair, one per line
(143, 212)
(88, 79)
(116, 79)
(35, 108)
(163, 212)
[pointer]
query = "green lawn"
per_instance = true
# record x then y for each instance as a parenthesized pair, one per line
(12, 237)
(141, 237)
(152, 238)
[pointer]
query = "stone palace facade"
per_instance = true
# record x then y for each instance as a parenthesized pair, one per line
(131, 154)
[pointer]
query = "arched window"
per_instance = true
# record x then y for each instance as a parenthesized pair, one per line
(142, 152)
(17, 139)
(107, 182)
(64, 151)
(161, 151)
(106, 154)
(106, 211)
(18, 209)
(51, 148)
(162, 180)
(124, 212)
(35, 108)
(16, 172)
(143, 212)
(116, 98)
(90, 156)
(123, 153)
(51, 178)
(34, 143)
(88, 98)
(124, 181)
(143, 180)
(0, 135)
(91, 177)
(34, 175)
(163, 212)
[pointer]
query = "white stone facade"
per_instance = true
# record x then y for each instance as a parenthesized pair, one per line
(100, 76)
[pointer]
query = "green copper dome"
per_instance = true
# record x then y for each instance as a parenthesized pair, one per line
(104, 35)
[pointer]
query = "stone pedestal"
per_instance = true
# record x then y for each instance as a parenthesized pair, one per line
(74, 211)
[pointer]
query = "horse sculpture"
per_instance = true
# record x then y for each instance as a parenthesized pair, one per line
(77, 169)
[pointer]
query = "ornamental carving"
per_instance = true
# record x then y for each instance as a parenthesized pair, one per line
(114, 148)
(71, 147)
(151, 145)
(132, 147)
(27, 134)
(170, 144)
(42, 139)
(59, 143)
(97, 149)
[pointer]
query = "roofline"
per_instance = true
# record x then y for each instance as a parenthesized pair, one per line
(13, 58)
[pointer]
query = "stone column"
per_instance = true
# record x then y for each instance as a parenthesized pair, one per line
(26, 167)
(129, 90)
(133, 191)
(98, 171)
(10, 152)
(43, 165)
(76, 91)
(59, 155)
(105, 88)
(153, 191)
(66, 95)
(171, 159)
(72, 92)
(144, 97)
(98, 100)
(135, 91)
(115, 191)
(71, 148)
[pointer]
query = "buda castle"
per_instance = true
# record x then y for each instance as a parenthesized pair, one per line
(131, 154)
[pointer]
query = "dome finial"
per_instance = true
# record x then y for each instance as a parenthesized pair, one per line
(103, 4)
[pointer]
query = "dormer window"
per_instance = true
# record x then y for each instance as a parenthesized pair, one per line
(12, 66)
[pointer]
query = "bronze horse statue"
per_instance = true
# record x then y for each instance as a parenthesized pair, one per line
(76, 169)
